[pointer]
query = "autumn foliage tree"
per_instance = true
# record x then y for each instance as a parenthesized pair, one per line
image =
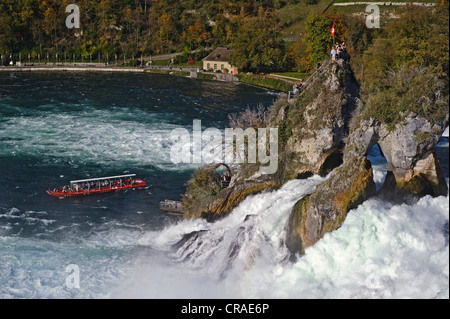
(196, 36)
(318, 40)
(256, 45)
(406, 67)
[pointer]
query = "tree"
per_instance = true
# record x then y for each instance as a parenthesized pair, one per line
(256, 46)
(419, 39)
(318, 39)
(405, 69)
(196, 36)
(167, 29)
(7, 34)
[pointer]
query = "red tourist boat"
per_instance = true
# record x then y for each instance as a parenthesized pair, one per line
(98, 185)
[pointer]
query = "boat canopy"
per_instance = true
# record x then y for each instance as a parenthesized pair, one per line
(101, 178)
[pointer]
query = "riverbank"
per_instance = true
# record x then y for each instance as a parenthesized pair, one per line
(272, 83)
(266, 82)
(67, 68)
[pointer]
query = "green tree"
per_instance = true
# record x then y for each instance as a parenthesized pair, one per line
(406, 67)
(318, 39)
(256, 46)
(7, 34)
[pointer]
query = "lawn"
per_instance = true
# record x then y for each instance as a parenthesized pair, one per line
(297, 75)
(292, 17)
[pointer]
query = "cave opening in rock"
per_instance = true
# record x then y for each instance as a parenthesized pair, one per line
(334, 160)
(442, 153)
(379, 165)
(222, 174)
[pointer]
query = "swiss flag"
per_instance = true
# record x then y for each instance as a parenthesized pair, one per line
(332, 31)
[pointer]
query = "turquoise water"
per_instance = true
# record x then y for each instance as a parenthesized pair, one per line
(65, 126)
(60, 127)
(57, 127)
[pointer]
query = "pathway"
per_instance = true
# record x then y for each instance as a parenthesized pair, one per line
(386, 3)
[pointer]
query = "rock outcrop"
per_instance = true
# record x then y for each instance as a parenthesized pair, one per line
(413, 168)
(204, 198)
(323, 132)
(316, 125)
(325, 209)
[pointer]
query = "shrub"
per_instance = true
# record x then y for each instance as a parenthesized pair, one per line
(254, 118)
(191, 61)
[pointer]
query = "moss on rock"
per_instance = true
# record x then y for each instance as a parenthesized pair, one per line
(326, 209)
(234, 197)
(426, 178)
(204, 196)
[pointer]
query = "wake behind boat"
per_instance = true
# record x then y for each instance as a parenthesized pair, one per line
(98, 185)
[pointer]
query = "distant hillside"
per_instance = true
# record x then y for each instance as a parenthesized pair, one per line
(267, 35)
(292, 17)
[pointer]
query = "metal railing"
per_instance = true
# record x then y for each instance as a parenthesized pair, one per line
(292, 96)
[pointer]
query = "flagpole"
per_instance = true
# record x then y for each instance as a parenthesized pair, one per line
(334, 31)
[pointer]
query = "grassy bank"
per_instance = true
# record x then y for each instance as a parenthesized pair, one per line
(268, 83)
(206, 76)
(166, 62)
(168, 72)
(265, 82)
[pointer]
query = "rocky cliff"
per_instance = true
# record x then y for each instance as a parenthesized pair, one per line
(205, 198)
(413, 168)
(323, 132)
(325, 209)
(313, 128)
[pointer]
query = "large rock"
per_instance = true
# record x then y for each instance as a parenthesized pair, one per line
(204, 198)
(325, 131)
(413, 168)
(325, 210)
(316, 125)
(425, 178)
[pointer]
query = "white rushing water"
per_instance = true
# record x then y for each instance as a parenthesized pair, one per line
(102, 138)
(93, 137)
(381, 251)
(445, 134)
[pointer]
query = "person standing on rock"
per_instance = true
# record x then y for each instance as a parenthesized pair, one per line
(333, 54)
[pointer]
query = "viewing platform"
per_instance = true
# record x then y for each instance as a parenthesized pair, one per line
(171, 206)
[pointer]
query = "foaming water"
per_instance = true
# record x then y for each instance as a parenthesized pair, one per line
(379, 166)
(445, 134)
(202, 259)
(381, 251)
(53, 130)
(60, 127)
(97, 137)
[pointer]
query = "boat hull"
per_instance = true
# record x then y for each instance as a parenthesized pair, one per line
(61, 194)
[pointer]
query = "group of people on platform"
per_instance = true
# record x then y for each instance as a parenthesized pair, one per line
(297, 87)
(339, 51)
(225, 179)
